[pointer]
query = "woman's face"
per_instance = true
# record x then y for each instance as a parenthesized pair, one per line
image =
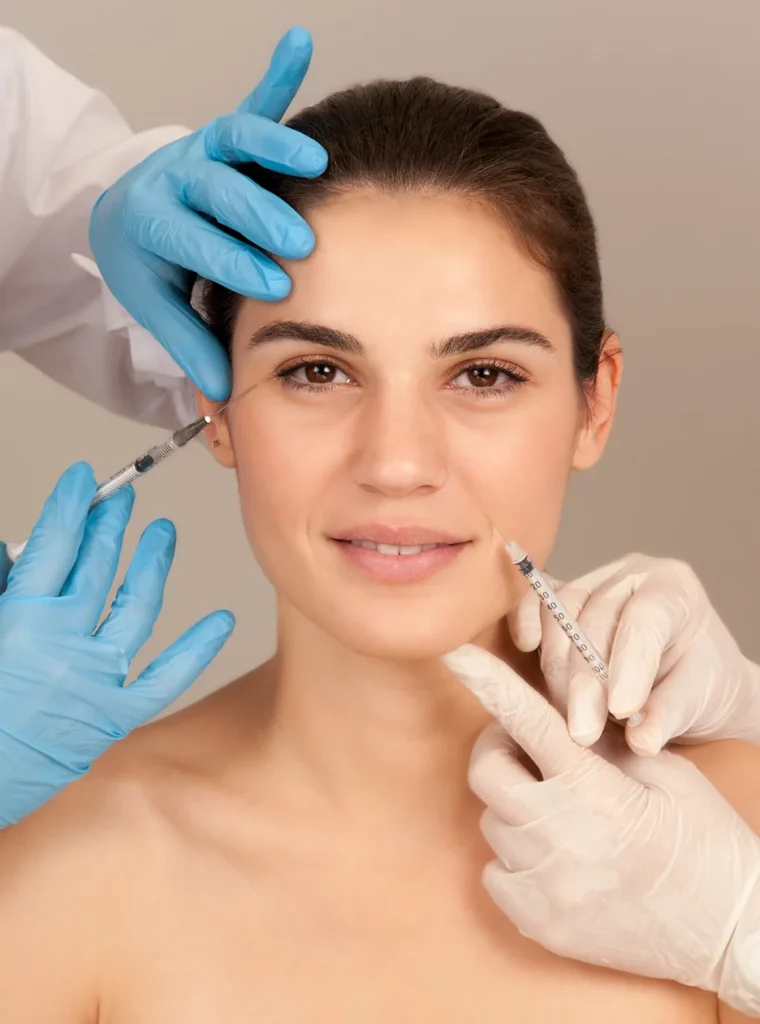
(415, 387)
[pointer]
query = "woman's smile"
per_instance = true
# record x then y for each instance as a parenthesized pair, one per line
(398, 554)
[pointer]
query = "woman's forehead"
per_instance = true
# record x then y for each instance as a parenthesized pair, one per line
(425, 266)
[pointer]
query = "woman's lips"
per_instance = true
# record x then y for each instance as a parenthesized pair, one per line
(382, 563)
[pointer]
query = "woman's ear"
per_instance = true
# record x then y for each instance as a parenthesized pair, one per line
(601, 403)
(217, 433)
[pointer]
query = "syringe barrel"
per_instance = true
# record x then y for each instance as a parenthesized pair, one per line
(137, 468)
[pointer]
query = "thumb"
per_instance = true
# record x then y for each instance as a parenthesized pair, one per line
(672, 708)
(524, 713)
(171, 673)
(525, 622)
(282, 79)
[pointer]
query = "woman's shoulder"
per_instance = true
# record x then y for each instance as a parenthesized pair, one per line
(129, 790)
(733, 767)
(69, 871)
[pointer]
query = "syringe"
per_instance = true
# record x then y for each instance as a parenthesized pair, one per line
(564, 620)
(145, 462)
(567, 624)
(138, 467)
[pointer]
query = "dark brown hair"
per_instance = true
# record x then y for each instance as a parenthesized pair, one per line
(422, 135)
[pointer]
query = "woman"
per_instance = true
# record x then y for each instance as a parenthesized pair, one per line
(302, 845)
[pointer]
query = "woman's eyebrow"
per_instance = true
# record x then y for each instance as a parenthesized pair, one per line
(460, 344)
(300, 330)
(342, 341)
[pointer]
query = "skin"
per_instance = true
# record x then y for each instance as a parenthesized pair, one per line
(406, 441)
(302, 845)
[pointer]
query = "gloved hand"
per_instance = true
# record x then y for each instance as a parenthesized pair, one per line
(150, 233)
(669, 655)
(63, 701)
(638, 865)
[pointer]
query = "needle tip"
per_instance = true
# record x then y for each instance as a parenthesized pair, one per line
(497, 532)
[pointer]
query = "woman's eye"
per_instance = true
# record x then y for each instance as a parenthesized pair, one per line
(483, 377)
(319, 373)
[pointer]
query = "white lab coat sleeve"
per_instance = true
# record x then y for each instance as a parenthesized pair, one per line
(61, 144)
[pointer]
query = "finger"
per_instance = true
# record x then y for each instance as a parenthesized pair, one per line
(52, 548)
(5, 567)
(93, 573)
(648, 626)
(684, 783)
(523, 899)
(556, 647)
(261, 217)
(671, 709)
(587, 698)
(494, 767)
(245, 138)
(528, 717)
(138, 602)
(518, 847)
(171, 673)
(621, 567)
(170, 318)
(587, 708)
(282, 79)
(191, 241)
(524, 623)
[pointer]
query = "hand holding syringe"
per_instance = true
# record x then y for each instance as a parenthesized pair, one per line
(145, 462)
(562, 616)
(142, 464)
(567, 624)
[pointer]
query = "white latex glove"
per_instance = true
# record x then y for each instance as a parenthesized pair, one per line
(640, 865)
(668, 652)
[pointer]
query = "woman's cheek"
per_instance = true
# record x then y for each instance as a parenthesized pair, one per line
(282, 474)
(519, 476)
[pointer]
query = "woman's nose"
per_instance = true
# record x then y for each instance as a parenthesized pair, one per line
(399, 448)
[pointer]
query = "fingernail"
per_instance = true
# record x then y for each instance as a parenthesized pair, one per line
(529, 639)
(277, 286)
(224, 623)
(587, 710)
(162, 537)
(215, 629)
(79, 477)
(310, 159)
(163, 528)
(625, 697)
(636, 719)
(297, 241)
(646, 741)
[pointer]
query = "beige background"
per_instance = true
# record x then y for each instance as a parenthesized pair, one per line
(655, 101)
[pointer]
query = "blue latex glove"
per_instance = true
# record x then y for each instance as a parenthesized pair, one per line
(150, 232)
(62, 696)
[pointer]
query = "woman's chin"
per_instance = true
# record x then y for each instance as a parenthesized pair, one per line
(414, 624)
(408, 641)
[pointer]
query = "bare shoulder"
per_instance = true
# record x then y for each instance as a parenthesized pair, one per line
(733, 767)
(79, 831)
(69, 870)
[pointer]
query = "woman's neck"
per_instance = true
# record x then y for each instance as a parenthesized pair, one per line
(379, 742)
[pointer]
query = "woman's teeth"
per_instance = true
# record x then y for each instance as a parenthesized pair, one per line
(395, 549)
